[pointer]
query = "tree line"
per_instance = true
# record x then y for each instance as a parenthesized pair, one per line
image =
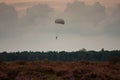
(81, 55)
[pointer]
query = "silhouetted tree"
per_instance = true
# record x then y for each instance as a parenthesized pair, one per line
(82, 54)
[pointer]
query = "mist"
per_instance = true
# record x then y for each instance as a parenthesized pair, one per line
(87, 26)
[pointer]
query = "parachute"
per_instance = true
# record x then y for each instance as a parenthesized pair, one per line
(59, 21)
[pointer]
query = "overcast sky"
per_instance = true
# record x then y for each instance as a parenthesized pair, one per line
(29, 25)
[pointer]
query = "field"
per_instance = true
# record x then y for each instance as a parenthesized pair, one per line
(57, 70)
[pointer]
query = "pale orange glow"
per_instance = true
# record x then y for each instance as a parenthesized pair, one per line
(16, 1)
(109, 3)
(106, 2)
(58, 5)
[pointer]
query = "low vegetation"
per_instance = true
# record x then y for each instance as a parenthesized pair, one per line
(58, 70)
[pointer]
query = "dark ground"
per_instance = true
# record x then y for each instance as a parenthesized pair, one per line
(49, 70)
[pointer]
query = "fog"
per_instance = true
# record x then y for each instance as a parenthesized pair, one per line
(87, 26)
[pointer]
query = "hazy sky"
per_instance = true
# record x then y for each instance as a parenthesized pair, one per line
(29, 25)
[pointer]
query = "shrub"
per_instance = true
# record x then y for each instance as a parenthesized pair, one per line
(61, 73)
(114, 60)
(3, 76)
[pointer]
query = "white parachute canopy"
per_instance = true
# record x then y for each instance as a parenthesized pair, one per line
(59, 21)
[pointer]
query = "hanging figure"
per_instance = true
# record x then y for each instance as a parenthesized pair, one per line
(56, 37)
